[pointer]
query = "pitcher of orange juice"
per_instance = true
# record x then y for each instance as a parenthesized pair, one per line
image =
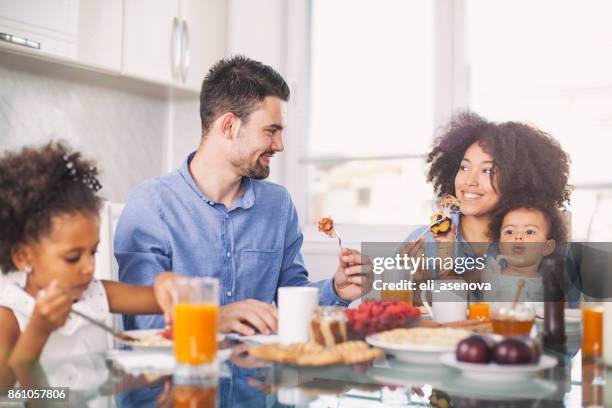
(196, 305)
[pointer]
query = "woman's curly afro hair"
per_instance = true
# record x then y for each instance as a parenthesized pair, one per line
(37, 184)
(528, 161)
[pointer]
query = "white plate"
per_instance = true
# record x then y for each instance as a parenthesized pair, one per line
(533, 388)
(141, 334)
(494, 372)
(411, 353)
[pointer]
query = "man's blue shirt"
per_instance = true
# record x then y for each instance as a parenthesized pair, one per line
(253, 248)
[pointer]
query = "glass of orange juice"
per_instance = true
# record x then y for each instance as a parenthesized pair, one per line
(398, 295)
(200, 396)
(592, 329)
(479, 311)
(196, 306)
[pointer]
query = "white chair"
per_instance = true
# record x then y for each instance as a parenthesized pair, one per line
(106, 265)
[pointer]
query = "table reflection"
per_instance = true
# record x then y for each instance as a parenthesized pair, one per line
(247, 382)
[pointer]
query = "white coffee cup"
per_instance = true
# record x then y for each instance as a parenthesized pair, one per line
(447, 305)
(295, 307)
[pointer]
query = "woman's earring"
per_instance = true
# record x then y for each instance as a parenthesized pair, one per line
(27, 269)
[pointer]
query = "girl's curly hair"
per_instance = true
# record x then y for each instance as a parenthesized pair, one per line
(37, 184)
(556, 226)
(529, 162)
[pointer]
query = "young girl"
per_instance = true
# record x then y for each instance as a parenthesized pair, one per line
(526, 232)
(49, 220)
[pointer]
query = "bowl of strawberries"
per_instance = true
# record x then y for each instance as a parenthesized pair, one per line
(374, 316)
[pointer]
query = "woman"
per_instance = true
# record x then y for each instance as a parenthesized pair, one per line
(482, 163)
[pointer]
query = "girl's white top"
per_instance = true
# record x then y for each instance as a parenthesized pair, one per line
(72, 355)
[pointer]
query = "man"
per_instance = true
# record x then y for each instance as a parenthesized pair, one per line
(216, 217)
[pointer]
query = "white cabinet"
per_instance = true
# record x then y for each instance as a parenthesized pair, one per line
(203, 38)
(168, 42)
(151, 34)
(173, 41)
(100, 27)
(83, 31)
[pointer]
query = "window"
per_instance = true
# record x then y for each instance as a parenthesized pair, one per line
(371, 110)
(549, 63)
(383, 76)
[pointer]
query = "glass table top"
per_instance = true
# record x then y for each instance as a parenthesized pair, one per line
(247, 382)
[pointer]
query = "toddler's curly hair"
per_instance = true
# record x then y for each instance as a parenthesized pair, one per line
(556, 226)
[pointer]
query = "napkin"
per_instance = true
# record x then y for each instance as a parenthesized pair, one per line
(135, 362)
(132, 362)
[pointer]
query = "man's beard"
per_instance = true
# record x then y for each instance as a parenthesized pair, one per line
(256, 171)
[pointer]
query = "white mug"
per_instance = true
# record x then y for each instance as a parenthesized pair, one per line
(295, 307)
(447, 305)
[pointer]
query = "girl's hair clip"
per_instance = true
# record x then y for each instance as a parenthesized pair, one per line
(70, 167)
(90, 181)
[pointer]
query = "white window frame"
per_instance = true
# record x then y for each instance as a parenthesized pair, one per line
(450, 95)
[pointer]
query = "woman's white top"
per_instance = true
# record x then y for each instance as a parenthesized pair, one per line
(78, 340)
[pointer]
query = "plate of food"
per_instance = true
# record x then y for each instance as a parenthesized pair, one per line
(494, 372)
(313, 354)
(510, 359)
(460, 387)
(421, 345)
(154, 340)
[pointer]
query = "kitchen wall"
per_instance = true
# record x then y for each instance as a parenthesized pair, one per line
(134, 130)
(120, 124)
(257, 29)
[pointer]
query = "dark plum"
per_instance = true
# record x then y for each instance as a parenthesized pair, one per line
(536, 351)
(474, 349)
(513, 351)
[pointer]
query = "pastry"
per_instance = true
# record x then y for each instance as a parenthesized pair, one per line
(313, 354)
(326, 357)
(327, 326)
(441, 221)
(361, 356)
(326, 225)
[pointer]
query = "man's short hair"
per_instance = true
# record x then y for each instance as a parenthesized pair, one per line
(238, 85)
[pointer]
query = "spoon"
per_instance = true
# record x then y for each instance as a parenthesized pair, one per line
(519, 287)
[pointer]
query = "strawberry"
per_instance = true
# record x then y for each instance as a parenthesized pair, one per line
(168, 333)
(376, 310)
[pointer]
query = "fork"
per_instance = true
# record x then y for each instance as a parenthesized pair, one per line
(448, 214)
(339, 239)
(438, 222)
(121, 336)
